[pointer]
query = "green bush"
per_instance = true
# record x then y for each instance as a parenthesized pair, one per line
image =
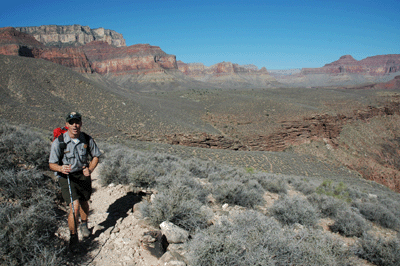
(339, 191)
(291, 210)
(380, 251)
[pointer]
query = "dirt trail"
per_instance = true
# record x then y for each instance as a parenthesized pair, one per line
(119, 237)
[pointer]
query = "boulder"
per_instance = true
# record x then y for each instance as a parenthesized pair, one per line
(173, 233)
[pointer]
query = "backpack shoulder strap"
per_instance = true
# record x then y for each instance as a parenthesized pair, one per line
(87, 140)
(62, 146)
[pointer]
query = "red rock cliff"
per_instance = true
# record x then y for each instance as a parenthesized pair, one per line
(139, 58)
(95, 56)
(374, 66)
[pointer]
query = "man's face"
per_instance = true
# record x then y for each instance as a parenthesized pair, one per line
(74, 127)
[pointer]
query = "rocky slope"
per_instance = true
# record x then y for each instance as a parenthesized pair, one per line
(227, 74)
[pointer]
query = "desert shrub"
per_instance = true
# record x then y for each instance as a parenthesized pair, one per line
(222, 172)
(248, 194)
(201, 169)
(391, 205)
(22, 184)
(312, 247)
(290, 210)
(302, 185)
(23, 146)
(328, 206)
(272, 183)
(250, 238)
(376, 212)
(181, 201)
(339, 191)
(380, 251)
(126, 166)
(28, 220)
(236, 241)
(185, 181)
(349, 223)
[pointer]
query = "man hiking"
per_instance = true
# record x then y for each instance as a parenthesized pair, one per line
(69, 157)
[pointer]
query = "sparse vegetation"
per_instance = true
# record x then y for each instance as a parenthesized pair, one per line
(186, 190)
(22, 146)
(245, 237)
(250, 238)
(377, 212)
(380, 251)
(27, 208)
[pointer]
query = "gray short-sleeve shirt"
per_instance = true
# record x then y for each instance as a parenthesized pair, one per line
(75, 154)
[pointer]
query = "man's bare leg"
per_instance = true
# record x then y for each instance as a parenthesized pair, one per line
(71, 223)
(84, 211)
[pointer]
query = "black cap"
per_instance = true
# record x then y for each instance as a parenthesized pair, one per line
(74, 115)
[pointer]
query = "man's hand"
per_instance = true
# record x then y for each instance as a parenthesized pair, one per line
(86, 171)
(65, 169)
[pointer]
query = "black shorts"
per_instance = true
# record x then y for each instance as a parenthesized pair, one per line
(81, 187)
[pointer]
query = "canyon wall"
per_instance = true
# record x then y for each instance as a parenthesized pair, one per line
(374, 66)
(229, 74)
(108, 55)
(72, 35)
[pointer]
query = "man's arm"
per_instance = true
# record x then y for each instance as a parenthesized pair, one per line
(92, 165)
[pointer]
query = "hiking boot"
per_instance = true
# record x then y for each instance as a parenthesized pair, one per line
(84, 230)
(73, 242)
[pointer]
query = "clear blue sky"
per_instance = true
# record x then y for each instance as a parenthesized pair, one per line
(276, 34)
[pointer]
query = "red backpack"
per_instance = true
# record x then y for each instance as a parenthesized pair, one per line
(58, 131)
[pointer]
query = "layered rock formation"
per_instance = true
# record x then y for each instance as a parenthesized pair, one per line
(13, 42)
(374, 66)
(318, 127)
(109, 56)
(135, 59)
(229, 74)
(72, 35)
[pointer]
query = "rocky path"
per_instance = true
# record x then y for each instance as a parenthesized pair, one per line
(119, 236)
